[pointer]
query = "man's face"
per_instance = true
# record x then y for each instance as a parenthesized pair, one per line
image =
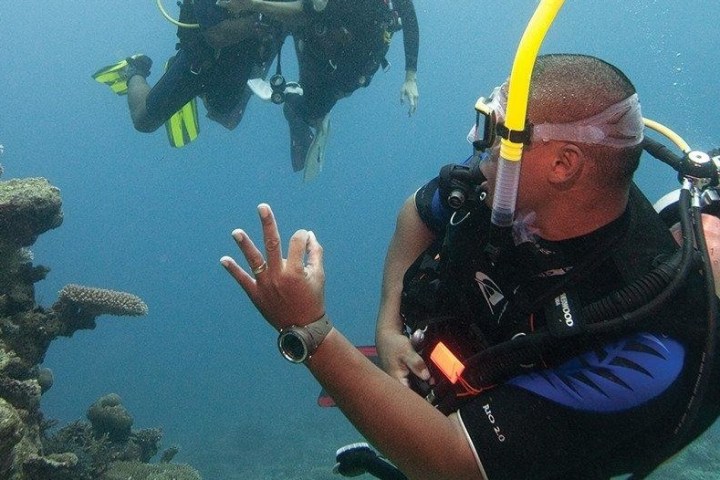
(531, 173)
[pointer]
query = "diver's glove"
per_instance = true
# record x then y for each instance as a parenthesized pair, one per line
(358, 458)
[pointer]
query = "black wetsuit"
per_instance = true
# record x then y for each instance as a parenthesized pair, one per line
(344, 45)
(198, 70)
(602, 412)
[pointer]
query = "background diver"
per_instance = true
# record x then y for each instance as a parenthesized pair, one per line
(340, 45)
(213, 62)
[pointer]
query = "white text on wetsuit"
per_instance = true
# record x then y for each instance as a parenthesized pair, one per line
(491, 419)
(566, 310)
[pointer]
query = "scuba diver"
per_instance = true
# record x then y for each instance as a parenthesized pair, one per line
(340, 45)
(585, 247)
(575, 341)
(217, 53)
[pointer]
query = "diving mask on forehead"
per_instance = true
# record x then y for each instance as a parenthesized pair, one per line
(619, 125)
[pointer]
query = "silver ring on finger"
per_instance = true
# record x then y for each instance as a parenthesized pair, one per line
(260, 268)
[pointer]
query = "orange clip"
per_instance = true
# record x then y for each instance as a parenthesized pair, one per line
(448, 363)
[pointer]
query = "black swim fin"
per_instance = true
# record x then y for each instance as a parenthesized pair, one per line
(358, 458)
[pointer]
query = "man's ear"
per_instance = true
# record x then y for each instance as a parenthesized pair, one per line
(567, 164)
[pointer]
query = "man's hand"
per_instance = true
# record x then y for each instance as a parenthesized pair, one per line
(409, 91)
(399, 359)
(285, 291)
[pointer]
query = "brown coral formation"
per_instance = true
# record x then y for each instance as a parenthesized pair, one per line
(97, 445)
(109, 417)
(28, 208)
(145, 471)
(78, 305)
(100, 301)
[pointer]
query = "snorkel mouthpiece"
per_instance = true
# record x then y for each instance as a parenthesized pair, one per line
(506, 186)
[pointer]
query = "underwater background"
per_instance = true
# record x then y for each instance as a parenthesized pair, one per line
(145, 218)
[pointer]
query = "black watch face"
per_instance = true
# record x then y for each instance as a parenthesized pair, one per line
(293, 348)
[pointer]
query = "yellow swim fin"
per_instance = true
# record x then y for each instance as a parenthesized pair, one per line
(113, 76)
(184, 126)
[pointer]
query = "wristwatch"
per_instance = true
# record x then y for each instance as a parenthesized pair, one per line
(297, 344)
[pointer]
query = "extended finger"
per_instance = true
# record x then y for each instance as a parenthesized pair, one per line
(240, 275)
(273, 249)
(314, 252)
(296, 251)
(253, 256)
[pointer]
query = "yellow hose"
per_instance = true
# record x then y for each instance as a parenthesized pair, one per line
(171, 19)
(672, 136)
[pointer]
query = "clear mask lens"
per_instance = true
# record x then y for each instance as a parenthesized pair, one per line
(488, 112)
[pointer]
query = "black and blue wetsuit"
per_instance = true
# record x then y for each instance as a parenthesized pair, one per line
(597, 412)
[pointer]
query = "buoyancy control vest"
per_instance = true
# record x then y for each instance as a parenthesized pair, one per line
(268, 36)
(190, 39)
(540, 305)
(351, 38)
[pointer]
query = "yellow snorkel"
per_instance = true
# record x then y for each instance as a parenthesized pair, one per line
(511, 144)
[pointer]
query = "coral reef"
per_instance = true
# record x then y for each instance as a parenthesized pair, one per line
(28, 207)
(82, 450)
(146, 471)
(77, 305)
(109, 417)
(96, 451)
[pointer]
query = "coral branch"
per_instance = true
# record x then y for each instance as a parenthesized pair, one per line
(77, 306)
(101, 301)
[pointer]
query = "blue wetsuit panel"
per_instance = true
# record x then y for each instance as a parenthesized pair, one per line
(620, 376)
